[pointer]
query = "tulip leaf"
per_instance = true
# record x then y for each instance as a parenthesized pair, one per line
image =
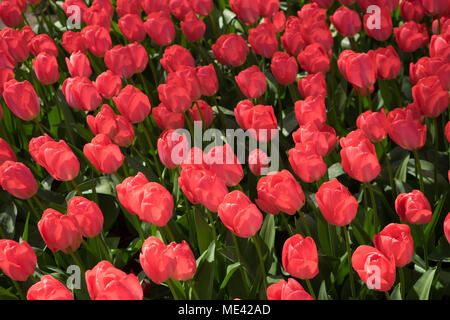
(8, 214)
(421, 289)
(429, 229)
(6, 295)
(204, 276)
(204, 233)
(323, 291)
(268, 232)
(396, 293)
(231, 269)
(403, 169)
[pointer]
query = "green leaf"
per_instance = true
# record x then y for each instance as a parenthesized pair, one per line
(323, 291)
(403, 169)
(6, 295)
(8, 214)
(204, 233)
(421, 289)
(268, 231)
(231, 269)
(204, 277)
(429, 229)
(396, 293)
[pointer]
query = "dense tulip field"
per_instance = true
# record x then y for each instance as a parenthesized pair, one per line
(241, 149)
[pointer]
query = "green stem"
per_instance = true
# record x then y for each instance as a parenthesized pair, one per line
(302, 217)
(19, 291)
(425, 245)
(196, 296)
(349, 260)
(402, 281)
(137, 226)
(310, 288)
(211, 221)
(261, 261)
(389, 167)
(286, 224)
(374, 206)
(436, 149)
(75, 185)
(102, 247)
(39, 126)
(419, 169)
(388, 296)
(41, 206)
(170, 233)
(33, 278)
(118, 176)
(172, 289)
(152, 149)
(238, 253)
(66, 121)
(77, 261)
(38, 217)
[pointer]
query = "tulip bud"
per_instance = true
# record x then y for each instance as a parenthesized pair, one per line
(435, 7)
(279, 191)
(207, 80)
(447, 131)
(186, 264)
(6, 153)
(80, 93)
(312, 109)
(17, 260)
(387, 61)
(252, 82)
(128, 60)
(230, 49)
(105, 282)
(172, 147)
(27, 34)
(88, 215)
(290, 290)
(258, 162)
(43, 43)
(202, 7)
(10, 14)
(130, 191)
(240, 215)
(346, 21)
(187, 79)
(447, 227)
(202, 112)
(150, 6)
(73, 42)
(14, 45)
(180, 8)
(46, 68)
(378, 24)
(263, 40)
(324, 139)
(108, 84)
(176, 57)
(157, 260)
(176, 98)
(5, 76)
(259, 120)
(21, 99)
(104, 156)
(300, 258)
(411, 36)
(128, 7)
(284, 68)
(314, 59)
(430, 97)
(222, 161)
(412, 10)
(166, 119)
(440, 46)
(133, 104)
(156, 205)
(395, 240)
(17, 179)
(246, 10)
(193, 28)
(306, 162)
(292, 39)
(374, 125)
(98, 40)
(160, 28)
(132, 27)
(48, 288)
(413, 208)
(406, 131)
(358, 68)
(78, 65)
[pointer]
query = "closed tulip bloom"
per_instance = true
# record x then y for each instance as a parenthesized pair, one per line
(258, 162)
(306, 162)
(240, 215)
(222, 161)
(10, 14)
(166, 119)
(5, 76)
(447, 227)
(292, 39)
(43, 43)
(268, 8)
(278, 20)
(172, 148)
(324, 3)
(358, 68)
(105, 156)
(426, 67)
(128, 60)
(412, 10)
(447, 131)
(337, 205)
(260, 120)
(300, 258)
(246, 10)
(395, 240)
(374, 125)
(73, 42)
(133, 104)
(21, 99)
(411, 36)
(279, 191)
(324, 139)
(88, 215)
(406, 131)
(98, 40)
(201, 112)
(176, 57)
(108, 84)
(346, 21)
(160, 28)
(314, 59)
(116, 127)
(252, 82)
(78, 65)
(157, 205)
(440, 46)
(27, 33)
(187, 79)
(284, 68)
(105, 282)
(375, 269)
(46, 68)
(150, 6)
(17, 179)
(176, 98)
(312, 109)
(6, 153)
(128, 7)
(80, 93)
(132, 27)
(430, 97)
(14, 44)
(96, 15)
(60, 232)
(79, 3)
(48, 288)
(157, 260)
(193, 27)
(380, 32)
(290, 290)
(180, 8)
(263, 40)
(387, 62)
(413, 208)
(207, 80)
(231, 49)
(313, 85)
(435, 7)
(186, 264)
(202, 7)
(17, 260)
(130, 192)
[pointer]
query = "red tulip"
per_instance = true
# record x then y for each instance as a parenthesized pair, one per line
(10, 14)
(426, 67)
(157, 260)
(259, 120)
(105, 282)
(312, 109)
(27, 33)
(207, 80)
(98, 40)
(278, 20)
(43, 43)
(387, 61)
(268, 8)
(324, 3)
(284, 68)
(21, 99)
(174, 97)
(413, 208)
(133, 104)
(314, 59)
(78, 65)
(374, 268)
(126, 61)
(222, 161)
(258, 162)
(292, 39)
(60, 232)
(202, 112)
(128, 7)
(46, 68)
(180, 8)
(246, 10)
(73, 42)
(411, 36)
(14, 45)
(447, 131)
(412, 10)
(202, 7)
(132, 27)
(6, 153)
(324, 139)
(104, 156)
(108, 84)
(80, 93)
(156, 205)
(358, 68)
(290, 290)
(447, 227)
(150, 6)
(17, 179)
(88, 215)
(346, 21)
(263, 40)
(374, 125)
(252, 82)
(185, 79)
(440, 46)
(186, 264)
(172, 147)
(48, 288)
(17, 260)
(160, 28)
(380, 32)
(166, 119)
(300, 258)
(193, 27)
(395, 241)
(313, 85)
(130, 192)
(405, 130)
(176, 58)
(230, 49)
(430, 97)
(5, 76)
(306, 162)
(435, 7)
(279, 191)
